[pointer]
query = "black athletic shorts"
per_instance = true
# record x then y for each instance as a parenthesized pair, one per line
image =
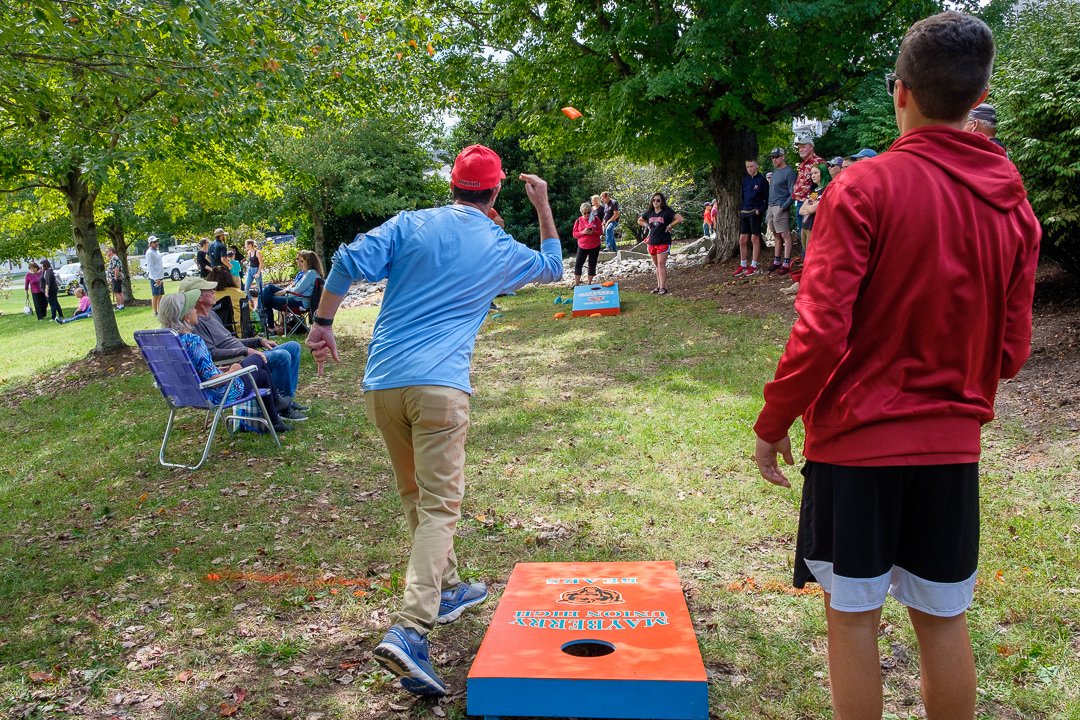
(117, 285)
(908, 531)
(749, 223)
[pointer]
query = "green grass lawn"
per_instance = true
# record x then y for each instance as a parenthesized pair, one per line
(131, 590)
(32, 348)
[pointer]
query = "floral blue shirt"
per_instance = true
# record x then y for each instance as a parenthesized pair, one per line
(199, 355)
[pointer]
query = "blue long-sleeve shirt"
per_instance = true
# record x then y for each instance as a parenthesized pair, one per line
(304, 283)
(755, 193)
(443, 267)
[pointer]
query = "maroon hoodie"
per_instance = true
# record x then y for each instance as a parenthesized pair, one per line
(915, 300)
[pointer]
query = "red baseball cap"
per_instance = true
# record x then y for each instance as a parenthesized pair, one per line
(477, 168)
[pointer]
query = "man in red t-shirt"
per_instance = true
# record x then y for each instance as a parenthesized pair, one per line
(893, 365)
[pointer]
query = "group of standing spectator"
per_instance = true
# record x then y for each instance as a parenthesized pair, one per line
(41, 285)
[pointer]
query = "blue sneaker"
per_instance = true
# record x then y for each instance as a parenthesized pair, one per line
(454, 601)
(404, 652)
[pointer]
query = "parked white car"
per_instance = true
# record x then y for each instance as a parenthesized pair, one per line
(177, 265)
(68, 277)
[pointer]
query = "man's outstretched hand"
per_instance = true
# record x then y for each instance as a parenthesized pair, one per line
(323, 346)
(765, 456)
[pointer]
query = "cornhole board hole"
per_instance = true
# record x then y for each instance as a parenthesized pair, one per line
(596, 300)
(590, 640)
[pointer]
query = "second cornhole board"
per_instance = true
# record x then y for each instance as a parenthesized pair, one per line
(590, 640)
(596, 300)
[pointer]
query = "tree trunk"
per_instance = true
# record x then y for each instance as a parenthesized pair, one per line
(114, 228)
(734, 147)
(80, 202)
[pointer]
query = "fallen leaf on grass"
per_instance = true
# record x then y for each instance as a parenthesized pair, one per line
(227, 710)
(438, 712)
(398, 708)
(184, 675)
(999, 576)
(42, 677)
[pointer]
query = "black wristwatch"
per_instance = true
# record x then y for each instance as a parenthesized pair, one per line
(325, 322)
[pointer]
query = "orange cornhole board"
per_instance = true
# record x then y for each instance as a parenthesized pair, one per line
(596, 300)
(597, 640)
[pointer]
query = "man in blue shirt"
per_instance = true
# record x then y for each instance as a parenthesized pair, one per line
(443, 267)
(755, 201)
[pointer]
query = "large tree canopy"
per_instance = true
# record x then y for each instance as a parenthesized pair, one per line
(91, 89)
(691, 83)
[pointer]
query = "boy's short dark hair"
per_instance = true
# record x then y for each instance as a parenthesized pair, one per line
(480, 197)
(945, 60)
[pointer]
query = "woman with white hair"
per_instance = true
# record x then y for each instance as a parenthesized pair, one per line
(587, 233)
(177, 313)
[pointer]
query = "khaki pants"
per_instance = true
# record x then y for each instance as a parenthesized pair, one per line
(424, 427)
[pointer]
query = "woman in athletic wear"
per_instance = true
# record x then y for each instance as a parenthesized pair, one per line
(659, 220)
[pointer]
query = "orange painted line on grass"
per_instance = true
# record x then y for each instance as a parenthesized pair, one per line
(290, 579)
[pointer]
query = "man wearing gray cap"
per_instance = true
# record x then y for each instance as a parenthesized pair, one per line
(983, 120)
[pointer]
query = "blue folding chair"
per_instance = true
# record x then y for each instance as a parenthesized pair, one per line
(175, 377)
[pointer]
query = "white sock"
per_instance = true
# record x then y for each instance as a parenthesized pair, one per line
(742, 263)
(753, 264)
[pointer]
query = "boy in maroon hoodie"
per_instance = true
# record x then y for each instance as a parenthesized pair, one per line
(902, 336)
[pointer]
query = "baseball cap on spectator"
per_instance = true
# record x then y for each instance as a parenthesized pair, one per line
(864, 153)
(196, 283)
(984, 112)
(776, 152)
(804, 140)
(837, 161)
(151, 240)
(191, 299)
(477, 168)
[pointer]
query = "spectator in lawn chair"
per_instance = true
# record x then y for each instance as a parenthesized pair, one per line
(281, 361)
(295, 295)
(83, 310)
(32, 285)
(226, 287)
(177, 313)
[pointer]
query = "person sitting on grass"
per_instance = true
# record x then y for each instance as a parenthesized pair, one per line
(177, 313)
(82, 312)
(281, 361)
(297, 294)
(587, 231)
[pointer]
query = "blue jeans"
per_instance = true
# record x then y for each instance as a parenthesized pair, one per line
(798, 218)
(269, 301)
(248, 277)
(77, 316)
(609, 237)
(283, 362)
